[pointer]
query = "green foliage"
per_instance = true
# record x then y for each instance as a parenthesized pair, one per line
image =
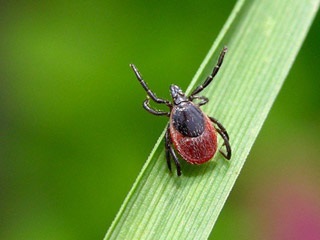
(263, 38)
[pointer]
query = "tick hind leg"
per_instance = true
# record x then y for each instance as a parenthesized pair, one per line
(224, 134)
(171, 153)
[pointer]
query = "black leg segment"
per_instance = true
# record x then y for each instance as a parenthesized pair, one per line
(212, 75)
(151, 94)
(222, 128)
(146, 106)
(170, 153)
(223, 133)
(226, 143)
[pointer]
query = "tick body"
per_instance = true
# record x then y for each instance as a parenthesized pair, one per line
(190, 131)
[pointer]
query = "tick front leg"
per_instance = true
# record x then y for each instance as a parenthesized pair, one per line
(213, 73)
(151, 94)
(146, 106)
(223, 133)
(170, 152)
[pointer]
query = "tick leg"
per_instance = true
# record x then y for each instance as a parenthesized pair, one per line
(212, 75)
(226, 143)
(203, 100)
(170, 152)
(167, 146)
(151, 94)
(176, 161)
(221, 127)
(223, 133)
(146, 106)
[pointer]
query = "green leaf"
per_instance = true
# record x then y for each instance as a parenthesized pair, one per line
(263, 38)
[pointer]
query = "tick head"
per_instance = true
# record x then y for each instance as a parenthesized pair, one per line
(177, 95)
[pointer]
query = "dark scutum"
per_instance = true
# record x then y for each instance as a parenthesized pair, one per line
(188, 119)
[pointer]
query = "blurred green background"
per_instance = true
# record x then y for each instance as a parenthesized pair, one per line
(74, 135)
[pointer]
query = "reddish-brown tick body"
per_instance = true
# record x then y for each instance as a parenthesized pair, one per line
(191, 132)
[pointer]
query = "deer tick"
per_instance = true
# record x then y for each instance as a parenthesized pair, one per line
(190, 131)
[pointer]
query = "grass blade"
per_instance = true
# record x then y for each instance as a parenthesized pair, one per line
(263, 37)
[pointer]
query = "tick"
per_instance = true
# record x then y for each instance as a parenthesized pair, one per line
(190, 131)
